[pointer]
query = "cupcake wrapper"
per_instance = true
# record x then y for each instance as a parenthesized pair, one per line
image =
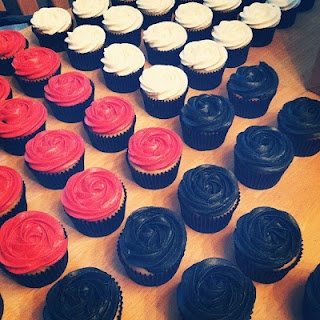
(237, 57)
(9, 95)
(197, 35)
(149, 20)
(306, 5)
(163, 57)
(133, 37)
(123, 2)
(57, 180)
(304, 147)
(110, 144)
(93, 21)
(262, 37)
(288, 18)
(218, 16)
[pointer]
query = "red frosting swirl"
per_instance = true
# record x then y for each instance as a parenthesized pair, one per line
(68, 89)
(11, 42)
(36, 63)
(109, 115)
(31, 241)
(92, 194)
(5, 89)
(10, 187)
(21, 117)
(154, 148)
(54, 150)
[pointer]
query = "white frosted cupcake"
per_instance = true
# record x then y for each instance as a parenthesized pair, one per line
(164, 41)
(236, 37)
(163, 88)
(204, 63)
(122, 66)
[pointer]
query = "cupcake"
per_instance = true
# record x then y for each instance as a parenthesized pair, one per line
(85, 47)
(306, 5)
(20, 120)
(261, 156)
(152, 245)
(5, 89)
(95, 201)
(236, 37)
(33, 248)
(208, 196)
(205, 121)
(86, 293)
(12, 194)
(251, 89)
(132, 3)
(196, 18)
(153, 157)
(68, 95)
(109, 123)
(164, 41)
(11, 42)
(204, 63)
(215, 289)
(34, 67)
(263, 19)
(53, 156)
(299, 119)
(123, 24)
(268, 255)
(164, 89)
(122, 66)
(50, 26)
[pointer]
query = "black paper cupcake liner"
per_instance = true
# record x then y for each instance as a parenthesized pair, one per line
(9, 95)
(123, 2)
(262, 37)
(163, 57)
(288, 18)
(306, 5)
(197, 35)
(237, 57)
(148, 20)
(133, 37)
(92, 21)
(303, 147)
(219, 16)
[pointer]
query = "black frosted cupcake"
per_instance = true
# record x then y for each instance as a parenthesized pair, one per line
(261, 155)
(205, 121)
(87, 293)
(208, 196)
(299, 119)
(215, 289)
(251, 89)
(152, 245)
(267, 243)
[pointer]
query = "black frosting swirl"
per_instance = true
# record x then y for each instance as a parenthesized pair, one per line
(267, 237)
(311, 301)
(208, 190)
(207, 112)
(258, 81)
(86, 294)
(264, 148)
(153, 238)
(215, 289)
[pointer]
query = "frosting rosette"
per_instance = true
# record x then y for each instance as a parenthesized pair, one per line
(89, 9)
(86, 294)
(215, 289)
(5, 89)
(11, 42)
(155, 7)
(31, 241)
(285, 4)
(222, 5)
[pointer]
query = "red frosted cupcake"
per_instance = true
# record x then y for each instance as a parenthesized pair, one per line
(109, 123)
(95, 201)
(20, 120)
(5, 89)
(33, 248)
(12, 194)
(33, 68)
(68, 95)
(11, 42)
(53, 156)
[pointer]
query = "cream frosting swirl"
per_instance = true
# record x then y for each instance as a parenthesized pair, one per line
(284, 4)
(222, 5)
(90, 9)
(155, 7)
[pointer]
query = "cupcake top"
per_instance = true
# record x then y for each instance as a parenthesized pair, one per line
(87, 293)
(11, 42)
(165, 36)
(277, 242)
(153, 238)
(232, 34)
(163, 82)
(5, 88)
(154, 148)
(36, 63)
(54, 150)
(20, 117)
(11, 186)
(122, 19)
(215, 289)
(261, 15)
(311, 300)
(285, 5)
(68, 89)
(51, 20)
(204, 55)
(122, 59)
(257, 81)
(86, 38)
(109, 115)
(193, 15)
(155, 7)
(31, 241)
(222, 5)
(90, 9)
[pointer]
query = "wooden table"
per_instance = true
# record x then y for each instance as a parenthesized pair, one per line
(291, 54)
